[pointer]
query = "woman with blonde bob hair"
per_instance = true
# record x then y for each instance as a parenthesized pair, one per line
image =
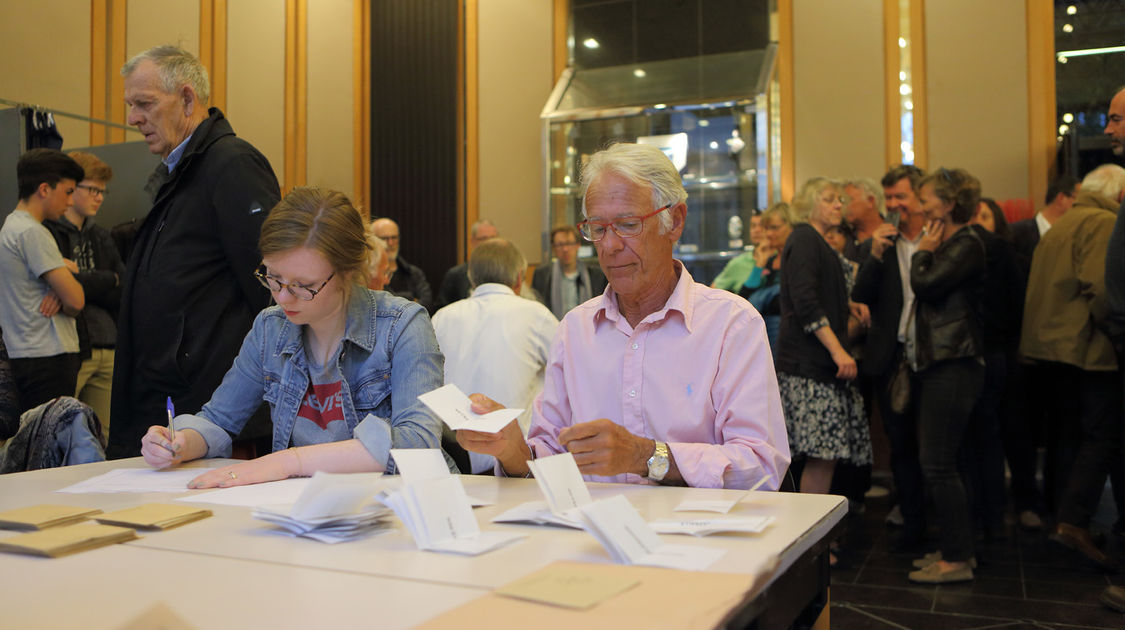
(341, 366)
(815, 369)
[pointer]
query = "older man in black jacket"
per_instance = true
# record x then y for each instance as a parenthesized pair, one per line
(189, 295)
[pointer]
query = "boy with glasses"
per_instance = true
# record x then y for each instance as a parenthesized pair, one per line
(90, 248)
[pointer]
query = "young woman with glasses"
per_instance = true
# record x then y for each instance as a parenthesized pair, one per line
(340, 366)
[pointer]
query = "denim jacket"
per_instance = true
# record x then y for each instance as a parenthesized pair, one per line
(388, 357)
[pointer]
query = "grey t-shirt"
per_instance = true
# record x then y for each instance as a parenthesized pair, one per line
(320, 419)
(27, 251)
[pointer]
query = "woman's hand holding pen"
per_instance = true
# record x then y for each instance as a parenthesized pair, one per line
(160, 450)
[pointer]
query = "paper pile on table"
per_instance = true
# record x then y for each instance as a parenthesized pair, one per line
(332, 508)
(435, 509)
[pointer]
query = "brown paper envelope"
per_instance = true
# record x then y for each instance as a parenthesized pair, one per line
(43, 516)
(155, 516)
(59, 541)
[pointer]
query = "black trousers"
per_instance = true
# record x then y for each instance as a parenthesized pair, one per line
(902, 432)
(982, 456)
(1085, 422)
(40, 379)
(1024, 417)
(949, 391)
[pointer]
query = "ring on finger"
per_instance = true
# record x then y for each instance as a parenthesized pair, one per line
(232, 475)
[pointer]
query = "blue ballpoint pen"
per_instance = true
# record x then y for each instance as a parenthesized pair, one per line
(171, 427)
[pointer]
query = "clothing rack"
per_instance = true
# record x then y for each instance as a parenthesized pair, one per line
(56, 112)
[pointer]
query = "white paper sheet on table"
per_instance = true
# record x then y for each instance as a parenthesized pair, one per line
(706, 526)
(137, 480)
(629, 540)
(456, 411)
(253, 495)
(721, 506)
(438, 516)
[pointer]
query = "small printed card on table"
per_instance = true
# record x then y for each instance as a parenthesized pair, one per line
(629, 540)
(706, 526)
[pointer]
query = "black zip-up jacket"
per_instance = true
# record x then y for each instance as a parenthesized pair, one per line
(189, 295)
(99, 272)
(946, 285)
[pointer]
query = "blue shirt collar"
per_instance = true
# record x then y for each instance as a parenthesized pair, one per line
(174, 157)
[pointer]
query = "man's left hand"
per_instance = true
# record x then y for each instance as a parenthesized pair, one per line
(603, 447)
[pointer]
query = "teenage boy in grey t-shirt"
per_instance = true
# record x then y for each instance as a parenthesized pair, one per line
(40, 296)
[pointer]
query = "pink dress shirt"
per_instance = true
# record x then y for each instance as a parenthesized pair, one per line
(697, 374)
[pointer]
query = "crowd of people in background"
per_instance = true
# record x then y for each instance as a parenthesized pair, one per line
(974, 341)
(978, 342)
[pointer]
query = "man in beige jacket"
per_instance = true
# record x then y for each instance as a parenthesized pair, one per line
(1064, 333)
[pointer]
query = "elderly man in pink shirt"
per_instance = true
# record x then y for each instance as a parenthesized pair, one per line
(660, 379)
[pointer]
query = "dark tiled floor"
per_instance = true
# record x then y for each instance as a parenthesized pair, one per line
(1023, 581)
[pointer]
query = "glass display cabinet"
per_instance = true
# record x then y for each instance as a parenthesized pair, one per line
(709, 114)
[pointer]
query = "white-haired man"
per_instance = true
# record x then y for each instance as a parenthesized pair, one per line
(1064, 325)
(495, 341)
(866, 207)
(188, 295)
(662, 379)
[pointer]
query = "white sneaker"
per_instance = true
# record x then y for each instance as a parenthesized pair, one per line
(1030, 520)
(894, 517)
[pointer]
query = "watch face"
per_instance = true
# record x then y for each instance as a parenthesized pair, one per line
(658, 463)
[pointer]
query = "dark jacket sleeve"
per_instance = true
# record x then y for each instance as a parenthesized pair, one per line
(421, 288)
(866, 289)
(598, 280)
(801, 274)
(447, 292)
(933, 275)
(245, 191)
(1115, 279)
(540, 279)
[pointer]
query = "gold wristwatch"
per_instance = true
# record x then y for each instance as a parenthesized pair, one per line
(658, 463)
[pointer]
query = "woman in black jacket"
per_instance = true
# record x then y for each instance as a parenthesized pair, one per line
(815, 370)
(947, 353)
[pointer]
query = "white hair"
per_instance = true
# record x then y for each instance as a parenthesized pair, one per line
(1107, 180)
(869, 187)
(644, 165)
(175, 67)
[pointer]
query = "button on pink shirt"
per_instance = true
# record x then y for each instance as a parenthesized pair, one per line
(697, 374)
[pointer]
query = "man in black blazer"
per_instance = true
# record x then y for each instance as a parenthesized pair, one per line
(1061, 194)
(883, 283)
(566, 281)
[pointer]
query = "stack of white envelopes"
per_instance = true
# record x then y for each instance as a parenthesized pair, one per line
(332, 508)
